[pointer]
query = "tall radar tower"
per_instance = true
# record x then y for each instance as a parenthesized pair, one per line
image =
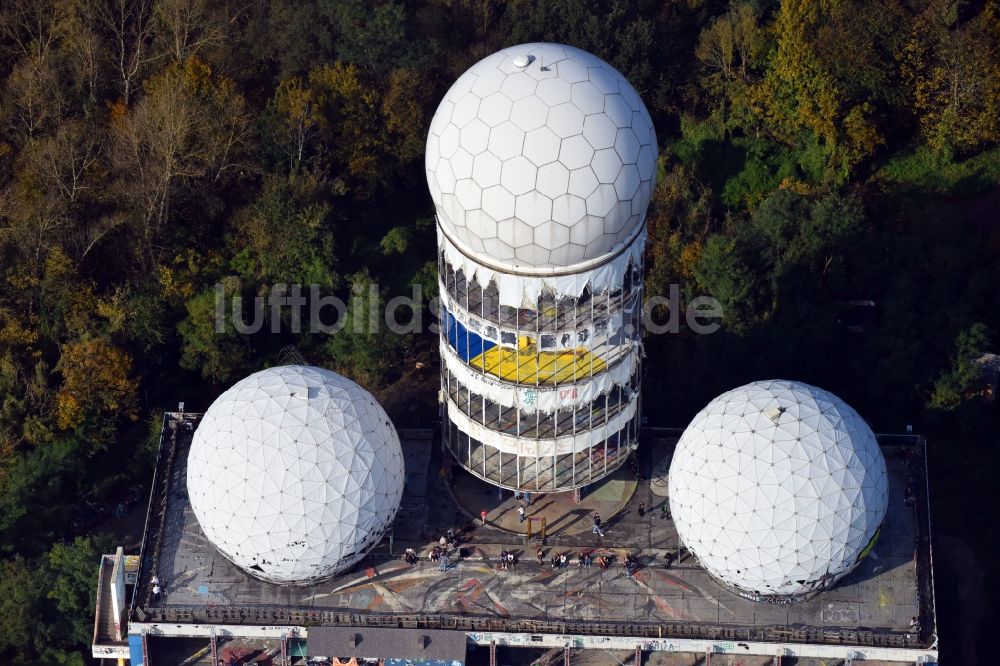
(541, 160)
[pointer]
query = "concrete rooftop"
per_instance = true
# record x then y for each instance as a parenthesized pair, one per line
(878, 599)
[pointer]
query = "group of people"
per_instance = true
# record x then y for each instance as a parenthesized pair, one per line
(439, 556)
(157, 587)
(586, 559)
(605, 561)
(508, 559)
(448, 542)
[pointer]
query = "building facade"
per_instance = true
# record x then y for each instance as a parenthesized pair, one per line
(541, 160)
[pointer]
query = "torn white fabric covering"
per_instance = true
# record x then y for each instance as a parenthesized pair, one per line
(610, 325)
(558, 446)
(541, 398)
(519, 291)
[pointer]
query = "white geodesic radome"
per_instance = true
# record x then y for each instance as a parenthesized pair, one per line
(541, 156)
(778, 488)
(295, 473)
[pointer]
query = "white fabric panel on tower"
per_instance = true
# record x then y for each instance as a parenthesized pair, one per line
(541, 398)
(519, 291)
(557, 446)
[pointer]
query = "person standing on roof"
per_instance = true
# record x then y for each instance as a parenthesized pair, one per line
(597, 525)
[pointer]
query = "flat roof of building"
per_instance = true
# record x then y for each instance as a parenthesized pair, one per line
(872, 606)
(387, 643)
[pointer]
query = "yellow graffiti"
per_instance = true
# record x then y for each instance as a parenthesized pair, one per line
(530, 365)
(871, 544)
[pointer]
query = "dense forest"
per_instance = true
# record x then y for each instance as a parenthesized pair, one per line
(813, 155)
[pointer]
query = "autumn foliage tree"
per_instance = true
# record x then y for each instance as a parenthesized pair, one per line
(952, 71)
(96, 383)
(803, 98)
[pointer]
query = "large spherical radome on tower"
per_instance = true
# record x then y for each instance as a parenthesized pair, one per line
(541, 156)
(778, 488)
(295, 473)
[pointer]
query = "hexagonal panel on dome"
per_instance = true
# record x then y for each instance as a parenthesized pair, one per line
(498, 203)
(541, 146)
(576, 152)
(552, 180)
(564, 124)
(295, 473)
(778, 488)
(517, 175)
(568, 209)
(553, 92)
(495, 109)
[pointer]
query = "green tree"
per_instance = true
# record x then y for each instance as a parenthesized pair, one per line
(374, 38)
(332, 122)
(796, 230)
(680, 217)
(396, 241)
(724, 271)
(364, 347)
(34, 495)
(73, 586)
(22, 595)
(295, 35)
(286, 236)
(211, 344)
(963, 380)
